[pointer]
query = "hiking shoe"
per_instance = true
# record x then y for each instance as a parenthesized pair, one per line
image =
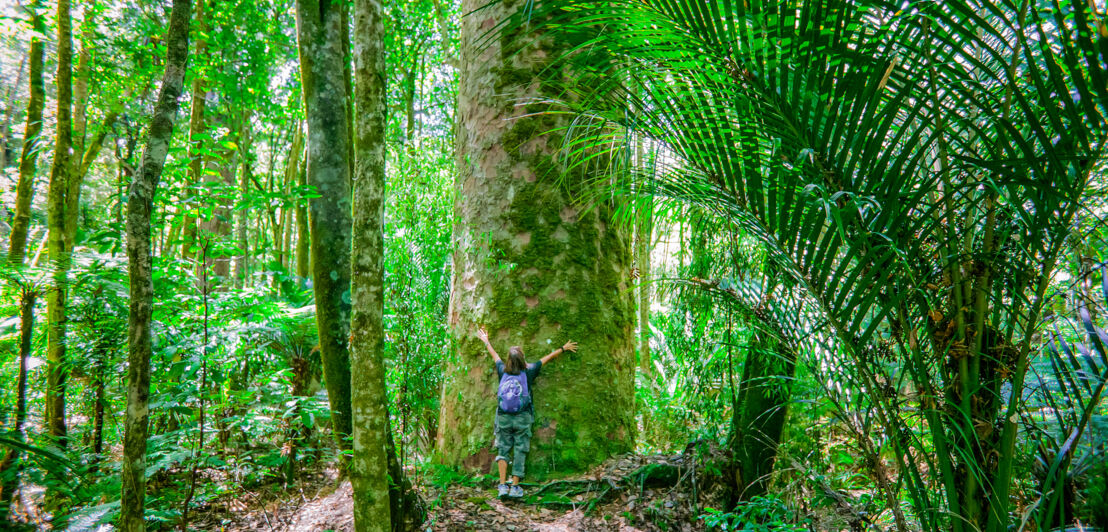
(502, 491)
(516, 491)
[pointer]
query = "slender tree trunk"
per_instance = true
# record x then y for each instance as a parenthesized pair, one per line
(100, 385)
(319, 26)
(139, 207)
(242, 263)
(215, 227)
(644, 232)
(275, 235)
(197, 137)
(303, 235)
(9, 113)
(80, 127)
(57, 245)
(409, 105)
(80, 85)
(10, 465)
(292, 167)
(531, 263)
(25, 190)
(287, 227)
(369, 467)
(405, 505)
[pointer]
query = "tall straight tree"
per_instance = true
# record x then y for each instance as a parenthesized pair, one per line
(139, 206)
(10, 463)
(319, 30)
(25, 190)
(303, 235)
(197, 135)
(9, 114)
(57, 202)
(533, 265)
(369, 467)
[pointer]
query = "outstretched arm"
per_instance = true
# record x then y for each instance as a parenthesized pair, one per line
(484, 336)
(570, 346)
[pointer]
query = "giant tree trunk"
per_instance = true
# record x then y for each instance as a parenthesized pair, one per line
(319, 28)
(25, 190)
(369, 467)
(139, 207)
(533, 266)
(57, 244)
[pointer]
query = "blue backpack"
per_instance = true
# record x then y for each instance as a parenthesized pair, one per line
(513, 393)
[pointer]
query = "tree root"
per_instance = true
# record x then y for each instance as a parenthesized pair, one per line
(561, 493)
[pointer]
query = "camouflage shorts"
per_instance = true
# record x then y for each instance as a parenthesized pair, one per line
(513, 439)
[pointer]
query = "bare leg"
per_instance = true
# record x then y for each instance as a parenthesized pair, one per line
(502, 465)
(515, 479)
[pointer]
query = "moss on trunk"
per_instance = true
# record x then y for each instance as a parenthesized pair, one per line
(140, 267)
(322, 56)
(532, 265)
(25, 190)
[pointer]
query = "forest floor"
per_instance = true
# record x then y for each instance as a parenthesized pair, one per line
(626, 493)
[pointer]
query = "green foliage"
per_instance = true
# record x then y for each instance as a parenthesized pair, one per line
(911, 173)
(909, 195)
(763, 514)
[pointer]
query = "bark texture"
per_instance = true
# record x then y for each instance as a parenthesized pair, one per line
(369, 467)
(531, 264)
(25, 189)
(319, 29)
(139, 207)
(56, 244)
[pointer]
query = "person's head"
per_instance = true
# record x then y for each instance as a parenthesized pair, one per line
(516, 363)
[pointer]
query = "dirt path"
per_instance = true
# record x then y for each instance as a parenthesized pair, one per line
(623, 505)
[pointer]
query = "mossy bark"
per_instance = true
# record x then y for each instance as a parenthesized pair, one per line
(303, 235)
(57, 244)
(25, 189)
(531, 264)
(139, 207)
(369, 472)
(319, 28)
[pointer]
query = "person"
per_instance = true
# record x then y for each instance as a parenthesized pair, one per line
(515, 410)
